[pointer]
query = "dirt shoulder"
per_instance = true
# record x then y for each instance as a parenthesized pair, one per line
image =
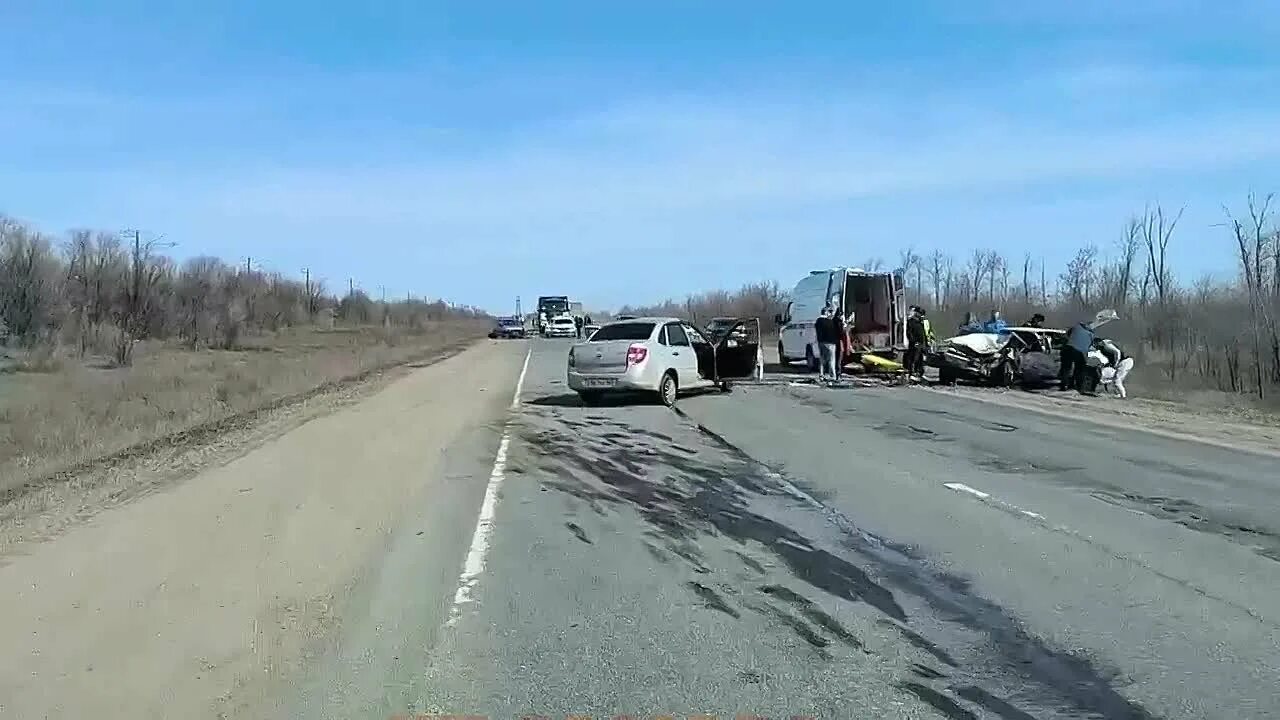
(79, 412)
(1254, 432)
(148, 450)
(214, 589)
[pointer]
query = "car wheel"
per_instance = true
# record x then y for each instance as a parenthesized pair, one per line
(668, 390)
(782, 357)
(946, 376)
(810, 361)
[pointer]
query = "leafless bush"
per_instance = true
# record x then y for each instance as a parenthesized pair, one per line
(103, 293)
(761, 300)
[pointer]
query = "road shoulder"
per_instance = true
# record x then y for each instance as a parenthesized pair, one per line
(216, 590)
(1156, 417)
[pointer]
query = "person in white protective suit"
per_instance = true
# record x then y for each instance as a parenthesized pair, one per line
(1119, 365)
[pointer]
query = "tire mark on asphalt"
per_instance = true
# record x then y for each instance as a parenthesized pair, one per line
(814, 614)
(578, 532)
(713, 600)
(1074, 680)
(749, 561)
(685, 499)
(919, 642)
(982, 698)
(1194, 517)
(938, 701)
(926, 672)
(801, 628)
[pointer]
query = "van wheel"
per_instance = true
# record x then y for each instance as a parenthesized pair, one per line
(782, 356)
(810, 361)
(668, 390)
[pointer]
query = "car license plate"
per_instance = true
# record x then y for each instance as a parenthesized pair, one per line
(597, 382)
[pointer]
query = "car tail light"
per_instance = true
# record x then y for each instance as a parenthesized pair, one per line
(636, 354)
(571, 358)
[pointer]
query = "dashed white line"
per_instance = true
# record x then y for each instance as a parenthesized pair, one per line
(961, 487)
(986, 497)
(473, 565)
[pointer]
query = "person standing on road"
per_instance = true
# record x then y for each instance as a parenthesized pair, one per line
(917, 339)
(827, 333)
(844, 346)
(1074, 353)
(1121, 364)
(577, 325)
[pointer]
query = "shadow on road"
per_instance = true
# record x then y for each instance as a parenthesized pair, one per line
(572, 400)
(691, 496)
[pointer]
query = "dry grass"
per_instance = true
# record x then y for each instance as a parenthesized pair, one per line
(67, 416)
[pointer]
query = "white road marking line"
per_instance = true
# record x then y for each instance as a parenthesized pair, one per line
(473, 565)
(515, 399)
(986, 497)
(961, 487)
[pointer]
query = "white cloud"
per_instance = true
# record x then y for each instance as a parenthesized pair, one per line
(722, 159)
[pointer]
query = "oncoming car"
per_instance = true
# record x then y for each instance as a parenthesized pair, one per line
(659, 355)
(507, 327)
(562, 327)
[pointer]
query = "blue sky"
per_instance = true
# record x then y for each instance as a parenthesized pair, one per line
(476, 151)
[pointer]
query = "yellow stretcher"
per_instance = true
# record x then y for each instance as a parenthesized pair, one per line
(875, 362)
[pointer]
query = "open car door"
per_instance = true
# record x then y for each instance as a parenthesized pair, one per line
(737, 350)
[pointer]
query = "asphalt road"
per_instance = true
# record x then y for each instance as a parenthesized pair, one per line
(800, 551)
(472, 541)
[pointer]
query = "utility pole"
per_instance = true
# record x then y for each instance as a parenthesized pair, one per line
(311, 306)
(248, 265)
(518, 313)
(351, 287)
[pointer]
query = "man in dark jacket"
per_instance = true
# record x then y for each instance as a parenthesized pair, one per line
(826, 330)
(917, 340)
(1074, 352)
(1036, 321)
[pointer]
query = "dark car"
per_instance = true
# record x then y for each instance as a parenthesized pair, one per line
(507, 328)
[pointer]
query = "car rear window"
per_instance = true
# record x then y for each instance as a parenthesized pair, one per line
(624, 331)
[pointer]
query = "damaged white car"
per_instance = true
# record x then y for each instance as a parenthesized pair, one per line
(1027, 356)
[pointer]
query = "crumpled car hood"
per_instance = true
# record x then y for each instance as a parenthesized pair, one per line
(980, 343)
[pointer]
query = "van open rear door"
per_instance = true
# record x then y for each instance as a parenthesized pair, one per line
(898, 291)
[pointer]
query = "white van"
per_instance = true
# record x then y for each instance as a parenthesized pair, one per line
(877, 301)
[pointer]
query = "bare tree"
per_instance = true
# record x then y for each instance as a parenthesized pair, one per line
(909, 261)
(1156, 230)
(975, 271)
(1254, 245)
(1078, 275)
(1026, 278)
(938, 264)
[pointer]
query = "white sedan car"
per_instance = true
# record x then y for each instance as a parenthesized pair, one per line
(562, 327)
(666, 356)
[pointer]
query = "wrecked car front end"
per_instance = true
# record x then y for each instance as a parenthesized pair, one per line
(978, 357)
